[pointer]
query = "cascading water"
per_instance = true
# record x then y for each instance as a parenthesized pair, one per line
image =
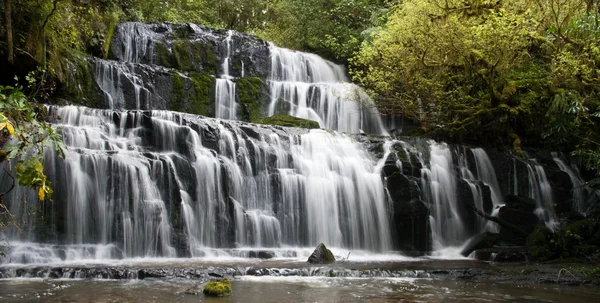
(163, 184)
(541, 191)
(581, 192)
(487, 174)
(226, 107)
(112, 76)
(316, 89)
(440, 185)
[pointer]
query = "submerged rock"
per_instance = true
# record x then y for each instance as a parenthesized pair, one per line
(481, 241)
(217, 288)
(321, 255)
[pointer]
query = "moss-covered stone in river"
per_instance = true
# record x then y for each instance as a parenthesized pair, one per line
(249, 93)
(289, 121)
(217, 288)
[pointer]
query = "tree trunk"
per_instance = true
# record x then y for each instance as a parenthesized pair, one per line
(9, 36)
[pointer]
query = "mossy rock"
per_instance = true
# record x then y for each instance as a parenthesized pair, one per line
(250, 95)
(288, 121)
(321, 255)
(218, 288)
(192, 56)
(80, 84)
(191, 94)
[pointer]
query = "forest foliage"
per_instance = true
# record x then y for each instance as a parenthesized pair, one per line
(513, 73)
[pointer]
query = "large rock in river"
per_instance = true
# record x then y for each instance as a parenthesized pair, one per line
(321, 255)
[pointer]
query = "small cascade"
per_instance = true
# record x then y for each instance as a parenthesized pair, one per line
(541, 191)
(580, 190)
(112, 79)
(440, 184)
(474, 187)
(307, 86)
(226, 107)
(137, 43)
(487, 174)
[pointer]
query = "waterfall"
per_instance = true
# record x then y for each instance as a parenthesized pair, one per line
(580, 190)
(112, 77)
(440, 185)
(541, 191)
(137, 42)
(164, 184)
(226, 107)
(487, 174)
(313, 88)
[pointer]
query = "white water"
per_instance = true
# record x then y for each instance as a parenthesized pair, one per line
(226, 107)
(580, 190)
(319, 90)
(147, 184)
(440, 184)
(541, 191)
(111, 78)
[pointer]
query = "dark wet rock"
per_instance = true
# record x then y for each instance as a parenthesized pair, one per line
(481, 241)
(503, 254)
(190, 47)
(520, 203)
(321, 255)
(261, 254)
(411, 231)
(467, 202)
(517, 212)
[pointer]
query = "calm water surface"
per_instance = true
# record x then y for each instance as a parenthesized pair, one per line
(291, 289)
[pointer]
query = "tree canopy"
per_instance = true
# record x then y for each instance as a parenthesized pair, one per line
(489, 71)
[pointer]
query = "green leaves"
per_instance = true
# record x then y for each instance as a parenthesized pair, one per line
(485, 70)
(28, 137)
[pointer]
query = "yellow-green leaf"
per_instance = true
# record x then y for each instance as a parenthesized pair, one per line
(41, 193)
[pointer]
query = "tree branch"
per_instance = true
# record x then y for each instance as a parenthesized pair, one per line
(11, 187)
(500, 222)
(54, 7)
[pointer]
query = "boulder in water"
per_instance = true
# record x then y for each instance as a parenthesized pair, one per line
(321, 255)
(481, 241)
(217, 288)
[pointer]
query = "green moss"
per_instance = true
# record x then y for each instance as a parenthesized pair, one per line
(203, 85)
(177, 92)
(249, 94)
(289, 121)
(163, 55)
(109, 34)
(80, 85)
(218, 288)
(193, 56)
(329, 256)
(181, 52)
